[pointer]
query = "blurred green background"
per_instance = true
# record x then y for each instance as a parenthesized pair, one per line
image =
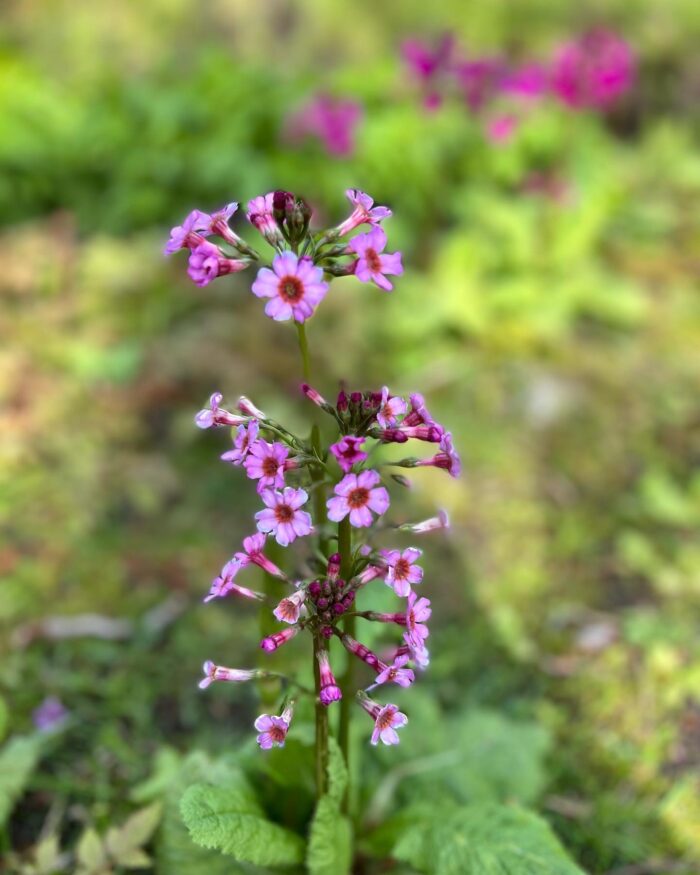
(559, 338)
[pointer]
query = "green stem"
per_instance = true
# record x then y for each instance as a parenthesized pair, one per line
(321, 728)
(347, 684)
(304, 349)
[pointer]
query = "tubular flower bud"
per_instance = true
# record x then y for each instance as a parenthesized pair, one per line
(214, 672)
(441, 521)
(316, 398)
(329, 691)
(359, 650)
(216, 415)
(272, 642)
(333, 569)
(246, 406)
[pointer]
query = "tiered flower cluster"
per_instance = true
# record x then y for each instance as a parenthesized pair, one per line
(591, 71)
(294, 282)
(282, 464)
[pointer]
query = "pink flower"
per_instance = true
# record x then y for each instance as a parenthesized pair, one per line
(479, 80)
(282, 516)
(216, 415)
(416, 650)
(224, 584)
(247, 408)
(501, 128)
(289, 609)
(390, 409)
(448, 458)
(594, 70)
(221, 673)
(396, 673)
(364, 213)
(441, 521)
(403, 433)
(315, 397)
(332, 121)
(189, 234)
(265, 462)
(272, 642)
(417, 612)
(294, 285)
(357, 495)
(329, 690)
(371, 264)
(528, 81)
(402, 572)
(428, 64)
(245, 436)
(348, 452)
(207, 263)
(273, 730)
(252, 552)
(419, 414)
(387, 719)
(261, 218)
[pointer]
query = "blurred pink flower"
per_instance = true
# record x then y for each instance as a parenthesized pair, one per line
(593, 70)
(332, 120)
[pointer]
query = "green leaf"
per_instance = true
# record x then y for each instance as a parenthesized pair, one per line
(337, 771)
(122, 841)
(329, 850)
(135, 859)
(90, 853)
(18, 760)
(231, 819)
(480, 840)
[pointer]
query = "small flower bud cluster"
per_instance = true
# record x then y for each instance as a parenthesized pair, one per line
(294, 281)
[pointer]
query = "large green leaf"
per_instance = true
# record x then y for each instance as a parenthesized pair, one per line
(330, 840)
(480, 840)
(231, 819)
(18, 759)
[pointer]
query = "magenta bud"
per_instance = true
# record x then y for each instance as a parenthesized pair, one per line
(348, 600)
(342, 402)
(322, 603)
(314, 589)
(327, 631)
(329, 694)
(334, 566)
(338, 608)
(326, 588)
(356, 397)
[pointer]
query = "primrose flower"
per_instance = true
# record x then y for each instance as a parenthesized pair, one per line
(247, 408)
(221, 673)
(265, 462)
(416, 650)
(188, 235)
(402, 573)
(387, 719)
(479, 80)
(261, 218)
(357, 495)
(364, 212)
(395, 673)
(282, 516)
(252, 553)
(216, 415)
(448, 458)
(272, 642)
(332, 121)
(419, 414)
(348, 452)
(273, 730)
(371, 263)
(224, 584)
(441, 521)
(289, 609)
(207, 263)
(527, 81)
(427, 64)
(593, 70)
(329, 691)
(245, 436)
(417, 612)
(390, 408)
(294, 286)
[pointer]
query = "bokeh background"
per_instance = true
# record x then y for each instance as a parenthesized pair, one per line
(549, 313)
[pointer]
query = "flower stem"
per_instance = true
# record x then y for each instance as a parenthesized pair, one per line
(321, 727)
(304, 349)
(347, 683)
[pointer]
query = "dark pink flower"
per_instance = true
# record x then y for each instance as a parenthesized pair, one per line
(273, 730)
(372, 263)
(272, 642)
(282, 515)
(387, 719)
(448, 458)
(360, 651)
(402, 573)
(289, 609)
(188, 235)
(265, 462)
(358, 495)
(252, 552)
(527, 81)
(390, 408)
(501, 128)
(294, 286)
(480, 80)
(225, 583)
(364, 212)
(245, 436)
(332, 120)
(428, 65)
(593, 70)
(216, 415)
(419, 414)
(207, 262)
(329, 689)
(261, 218)
(348, 451)
(221, 673)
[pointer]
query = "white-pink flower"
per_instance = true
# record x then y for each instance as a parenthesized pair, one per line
(265, 462)
(282, 515)
(402, 573)
(225, 583)
(418, 612)
(214, 672)
(216, 415)
(358, 495)
(245, 436)
(260, 216)
(396, 673)
(289, 609)
(441, 521)
(273, 729)
(294, 286)
(387, 719)
(372, 262)
(390, 408)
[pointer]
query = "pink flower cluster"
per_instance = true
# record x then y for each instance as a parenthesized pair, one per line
(330, 120)
(294, 282)
(592, 71)
(282, 464)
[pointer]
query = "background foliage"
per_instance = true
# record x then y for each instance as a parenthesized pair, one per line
(559, 337)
